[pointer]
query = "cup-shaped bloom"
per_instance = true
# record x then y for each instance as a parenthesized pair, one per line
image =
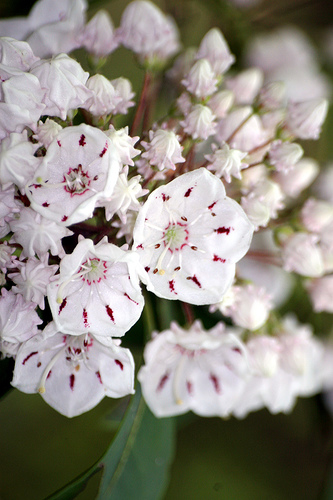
(198, 370)
(189, 236)
(147, 31)
(80, 167)
(214, 47)
(97, 290)
(73, 374)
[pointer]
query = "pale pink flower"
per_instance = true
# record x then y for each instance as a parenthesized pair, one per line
(189, 236)
(245, 85)
(316, 215)
(198, 370)
(18, 322)
(226, 162)
(200, 80)
(301, 254)
(47, 131)
(163, 149)
(321, 293)
(123, 88)
(298, 178)
(73, 374)
(200, 122)
(80, 167)
(98, 36)
(284, 155)
(36, 234)
(97, 290)
(221, 102)
(304, 119)
(104, 97)
(214, 47)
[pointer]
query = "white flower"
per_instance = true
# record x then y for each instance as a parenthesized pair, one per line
(73, 374)
(32, 279)
(124, 197)
(304, 119)
(17, 161)
(104, 97)
(189, 236)
(163, 150)
(123, 88)
(97, 290)
(200, 80)
(199, 123)
(124, 144)
(263, 202)
(16, 54)
(80, 167)
(321, 293)
(284, 155)
(64, 83)
(301, 253)
(147, 31)
(316, 215)
(18, 321)
(226, 162)
(37, 234)
(47, 131)
(54, 27)
(26, 91)
(214, 47)
(221, 102)
(98, 35)
(272, 95)
(249, 308)
(198, 370)
(246, 85)
(298, 178)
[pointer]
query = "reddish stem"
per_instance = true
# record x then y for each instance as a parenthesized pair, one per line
(142, 104)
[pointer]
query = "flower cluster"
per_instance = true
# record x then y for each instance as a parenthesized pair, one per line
(90, 212)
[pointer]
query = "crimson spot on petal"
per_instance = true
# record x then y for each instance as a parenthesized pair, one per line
(216, 383)
(119, 363)
(104, 150)
(195, 280)
(99, 376)
(85, 318)
(223, 230)
(62, 305)
(211, 206)
(72, 381)
(162, 382)
(188, 192)
(172, 286)
(110, 312)
(82, 141)
(28, 357)
(189, 387)
(218, 259)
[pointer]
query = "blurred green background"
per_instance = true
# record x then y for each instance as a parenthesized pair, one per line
(281, 457)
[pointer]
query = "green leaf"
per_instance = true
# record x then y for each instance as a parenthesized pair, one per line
(137, 463)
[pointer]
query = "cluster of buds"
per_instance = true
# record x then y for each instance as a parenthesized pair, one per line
(91, 212)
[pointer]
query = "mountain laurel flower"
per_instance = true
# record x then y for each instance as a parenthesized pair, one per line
(80, 167)
(64, 83)
(226, 162)
(250, 306)
(298, 178)
(36, 234)
(163, 150)
(304, 119)
(148, 32)
(199, 123)
(104, 97)
(284, 155)
(189, 235)
(316, 215)
(246, 85)
(124, 144)
(124, 197)
(16, 150)
(214, 47)
(221, 102)
(321, 293)
(263, 202)
(16, 54)
(18, 321)
(73, 374)
(302, 254)
(198, 370)
(47, 131)
(201, 80)
(123, 88)
(272, 96)
(98, 36)
(32, 279)
(97, 290)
